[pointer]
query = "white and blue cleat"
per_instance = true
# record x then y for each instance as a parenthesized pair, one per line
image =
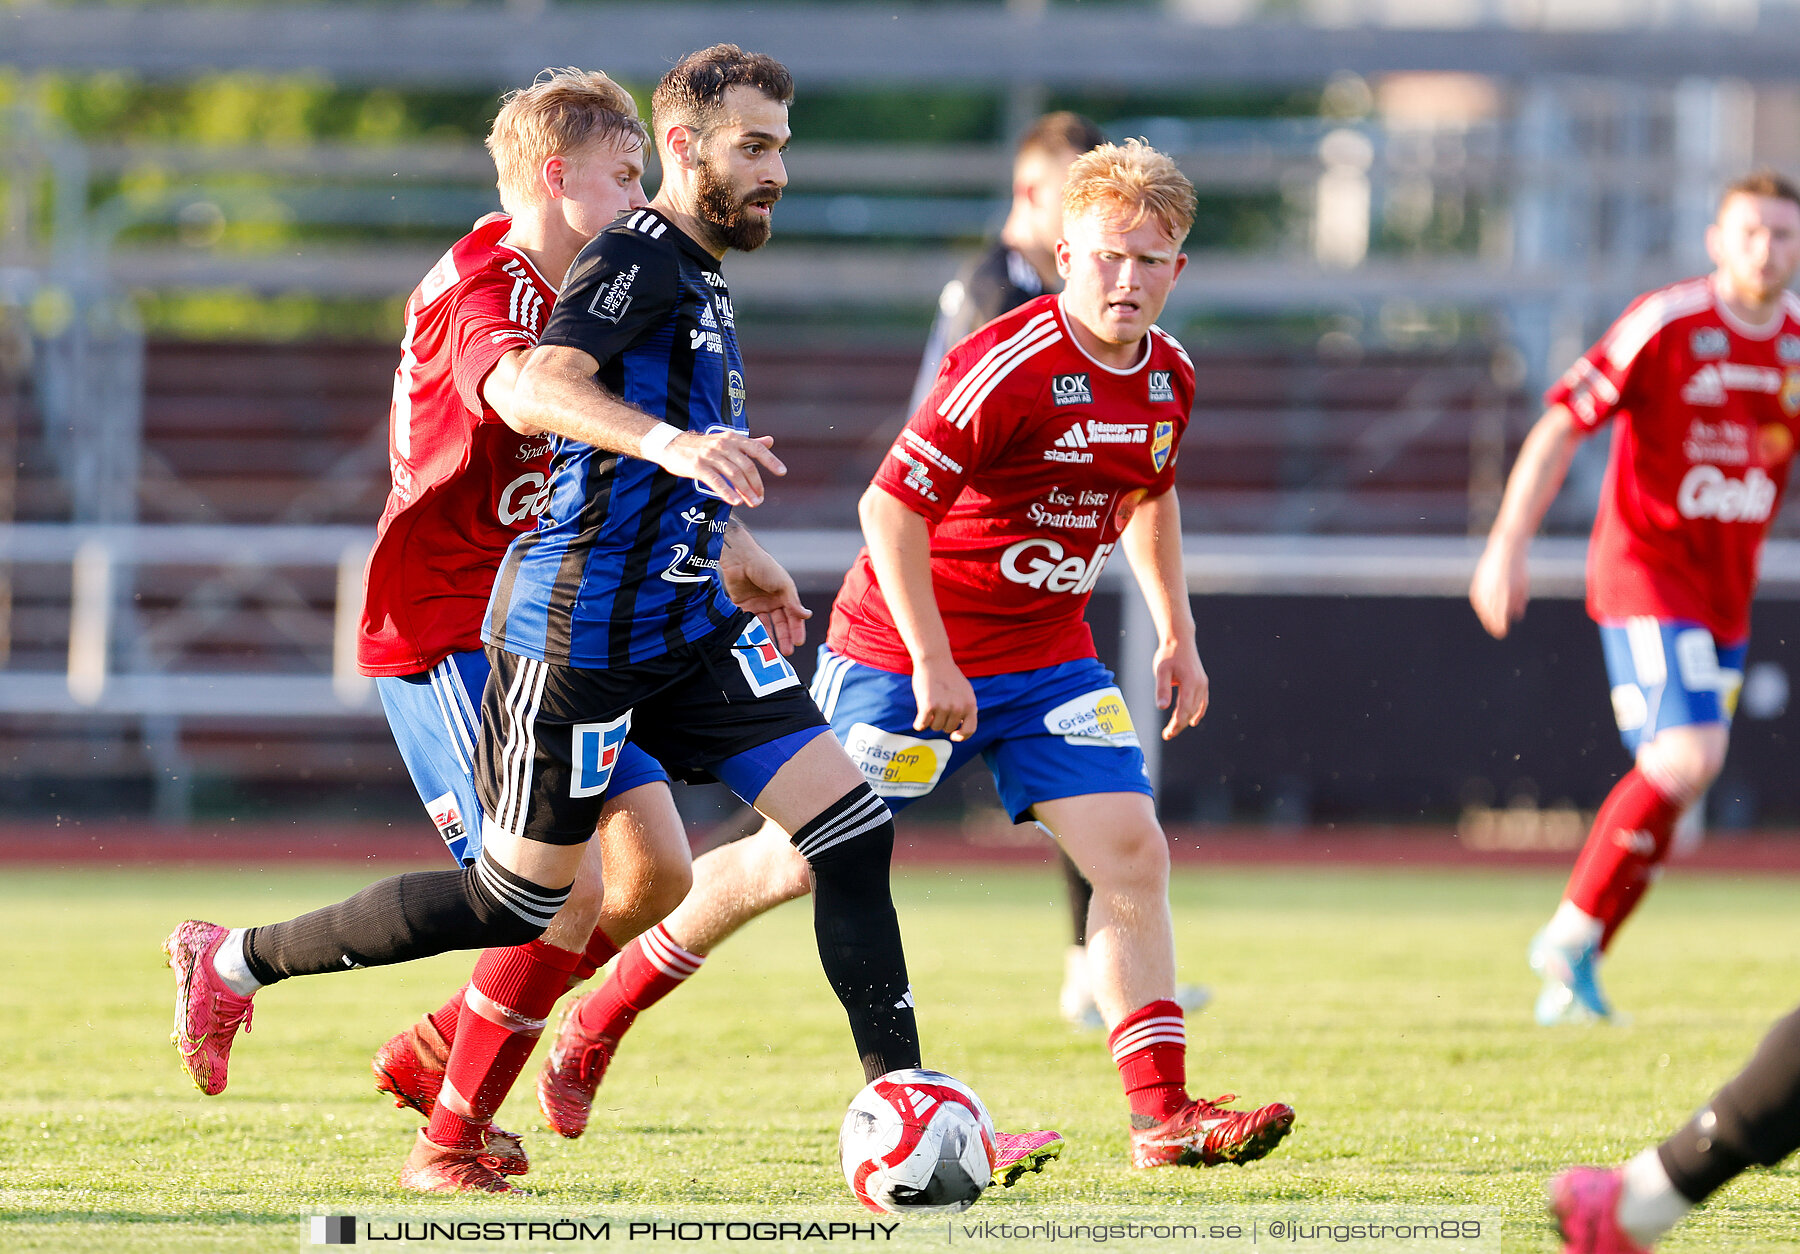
(1571, 992)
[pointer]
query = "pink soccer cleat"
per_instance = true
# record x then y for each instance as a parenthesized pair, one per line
(1584, 1202)
(431, 1168)
(207, 1013)
(410, 1069)
(1205, 1134)
(572, 1073)
(1016, 1153)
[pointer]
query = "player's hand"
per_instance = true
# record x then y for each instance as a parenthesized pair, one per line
(757, 582)
(726, 462)
(1500, 589)
(946, 699)
(1182, 687)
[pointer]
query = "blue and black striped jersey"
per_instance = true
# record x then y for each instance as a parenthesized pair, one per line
(623, 564)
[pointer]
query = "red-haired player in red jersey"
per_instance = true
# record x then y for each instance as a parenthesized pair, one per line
(1047, 442)
(1702, 383)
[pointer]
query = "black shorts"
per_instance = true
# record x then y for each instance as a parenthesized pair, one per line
(725, 708)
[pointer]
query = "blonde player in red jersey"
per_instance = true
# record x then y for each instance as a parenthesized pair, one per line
(1701, 381)
(1048, 441)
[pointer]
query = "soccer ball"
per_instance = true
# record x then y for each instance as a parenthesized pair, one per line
(915, 1142)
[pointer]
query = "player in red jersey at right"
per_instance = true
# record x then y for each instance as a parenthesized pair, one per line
(1702, 383)
(1048, 441)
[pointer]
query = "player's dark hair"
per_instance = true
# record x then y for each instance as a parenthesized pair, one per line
(1061, 132)
(693, 92)
(1763, 182)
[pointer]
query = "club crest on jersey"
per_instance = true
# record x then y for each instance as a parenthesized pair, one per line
(1162, 445)
(1071, 389)
(593, 752)
(1790, 392)
(611, 302)
(735, 387)
(1162, 386)
(1787, 348)
(1707, 342)
(897, 765)
(765, 670)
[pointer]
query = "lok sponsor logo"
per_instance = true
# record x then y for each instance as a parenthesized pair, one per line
(1711, 342)
(1162, 387)
(1071, 389)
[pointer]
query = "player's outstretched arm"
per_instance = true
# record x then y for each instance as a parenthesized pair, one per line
(1152, 543)
(757, 582)
(557, 391)
(900, 551)
(1502, 584)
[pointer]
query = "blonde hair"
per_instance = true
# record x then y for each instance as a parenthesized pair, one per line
(562, 112)
(1134, 180)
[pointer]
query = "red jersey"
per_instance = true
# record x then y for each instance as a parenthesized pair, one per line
(1706, 410)
(464, 483)
(1026, 459)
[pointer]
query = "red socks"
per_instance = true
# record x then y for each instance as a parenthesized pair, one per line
(504, 1008)
(1631, 836)
(1149, 1047)
(648, 970)
(600, 951)
(445, 1016)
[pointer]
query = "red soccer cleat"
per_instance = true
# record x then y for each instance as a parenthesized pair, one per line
(1584, 1202)
(410, 1069)
(572, 1073)
(1205, 1134)
(207, 1013)
(431, 1168)
(1016, 1153)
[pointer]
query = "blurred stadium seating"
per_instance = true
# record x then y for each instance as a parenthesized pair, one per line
(1378, 291)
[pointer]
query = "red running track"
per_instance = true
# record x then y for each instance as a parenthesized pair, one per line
(226, 844)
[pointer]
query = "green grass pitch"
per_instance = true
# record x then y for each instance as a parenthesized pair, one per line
(1391, 1008)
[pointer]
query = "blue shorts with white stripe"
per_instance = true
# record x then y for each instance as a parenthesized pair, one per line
(436, 718)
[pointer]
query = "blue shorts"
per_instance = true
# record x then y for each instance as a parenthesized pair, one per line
(436, 717)
(1668, 673)
(1062, 731)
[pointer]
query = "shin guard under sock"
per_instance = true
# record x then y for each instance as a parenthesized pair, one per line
(405, 917)
(1753, 1121)
(849, 846)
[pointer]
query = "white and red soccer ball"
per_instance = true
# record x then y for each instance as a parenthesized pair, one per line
(915, 1142)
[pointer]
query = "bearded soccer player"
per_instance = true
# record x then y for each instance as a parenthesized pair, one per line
(1754, 1121)
(466, 483)
(1701, 381)
(1048, 441)
(570, 154)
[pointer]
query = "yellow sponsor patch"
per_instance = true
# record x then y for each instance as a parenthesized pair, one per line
(897, 765)
(1094, 718)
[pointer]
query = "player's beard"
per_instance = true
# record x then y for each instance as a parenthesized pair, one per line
(721, 206)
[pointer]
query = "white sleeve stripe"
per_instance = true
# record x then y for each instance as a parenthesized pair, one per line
(1659, 309)
(990, 359)
(502, 1016)
(975, 403)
